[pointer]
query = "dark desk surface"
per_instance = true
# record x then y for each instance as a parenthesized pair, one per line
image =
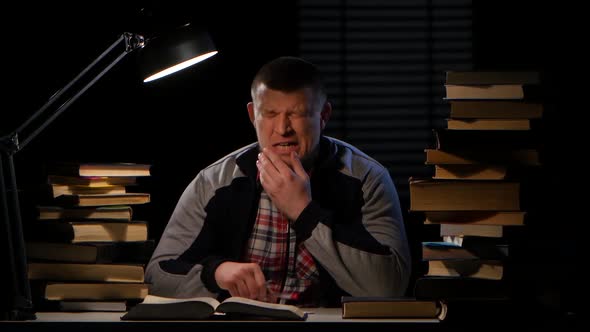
(315, 315)
(320, 319)
(323, 319)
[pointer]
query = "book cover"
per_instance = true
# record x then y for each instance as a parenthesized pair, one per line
(494, 140)
(98, 252)
(470, 172)
(441, 250)
(113, 212)
(198, 308)
(489, 124)
(475, 156)
(392, 307)
(92, 181)
(74, 200)
(99, 169)
(456, 229)
(86, 272)
(492, 77)
(491, 217)
(488, 109)
(453, 195)
(86, 231)
(83, 291)
(66, 189)
(43, 305)
(84, 306)
(472, 268)
(492, 92)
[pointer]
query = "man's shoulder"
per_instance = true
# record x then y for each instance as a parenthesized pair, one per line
(351, 155)
(230, 158)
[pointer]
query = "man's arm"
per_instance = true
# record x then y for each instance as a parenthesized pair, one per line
(368, 259)
(171, 272)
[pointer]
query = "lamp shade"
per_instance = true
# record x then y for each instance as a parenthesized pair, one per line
(171, 52)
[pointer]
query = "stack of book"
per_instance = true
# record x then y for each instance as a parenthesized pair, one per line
(475, 194)
(86, 251)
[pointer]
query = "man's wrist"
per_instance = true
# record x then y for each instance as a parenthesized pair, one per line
(210, 265)
(294, 216)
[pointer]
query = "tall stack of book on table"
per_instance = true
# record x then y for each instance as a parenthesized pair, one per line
(86, 251)
(475, 196)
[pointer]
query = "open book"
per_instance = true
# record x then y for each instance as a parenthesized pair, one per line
(197, 308)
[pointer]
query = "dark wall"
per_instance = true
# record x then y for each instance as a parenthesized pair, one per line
(544, 36)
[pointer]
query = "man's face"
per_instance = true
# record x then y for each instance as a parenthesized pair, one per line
(287, 122)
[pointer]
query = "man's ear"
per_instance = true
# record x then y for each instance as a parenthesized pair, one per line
(325, 114)
(251, 111)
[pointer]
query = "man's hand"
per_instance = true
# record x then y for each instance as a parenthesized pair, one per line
(288, 187)
(242, 279)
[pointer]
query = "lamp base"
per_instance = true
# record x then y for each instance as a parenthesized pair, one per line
(18, 315)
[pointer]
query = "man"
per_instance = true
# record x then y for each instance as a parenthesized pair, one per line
(297, 213)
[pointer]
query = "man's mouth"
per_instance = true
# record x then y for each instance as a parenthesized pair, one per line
(286, 146)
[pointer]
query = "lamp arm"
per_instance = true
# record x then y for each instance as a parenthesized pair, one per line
(11, 143)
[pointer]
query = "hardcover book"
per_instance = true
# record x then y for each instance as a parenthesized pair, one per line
(494, 91)
(495, 110)
(82, 306)
(92, 181)
(120, 305)
(88, 291)
(74, 200)
(474, 77)
(455, 195)
(87, 231)
(494, 140)
(476, 156)
(66, 189)
(440, 250)
(470, 172)
(392, 307)
(114, 212)
(491, 217)
(86, 272)
(99, 169)
(97, 252)
(199, 308)
(472, 268)
(489, 124)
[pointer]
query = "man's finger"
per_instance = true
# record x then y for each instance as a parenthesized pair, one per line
(233, 291)
(243, 288)
(277, 162)
(266, 179)
(297, 166)
(266, 165)
(260, 282)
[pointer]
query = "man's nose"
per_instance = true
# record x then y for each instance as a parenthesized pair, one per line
(283, 125)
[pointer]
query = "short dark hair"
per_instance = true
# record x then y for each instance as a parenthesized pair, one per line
(289, 73)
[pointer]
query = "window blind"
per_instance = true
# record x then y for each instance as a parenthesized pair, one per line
(384, 64)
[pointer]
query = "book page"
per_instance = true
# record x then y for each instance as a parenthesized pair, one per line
(248, 306)
(153, 299)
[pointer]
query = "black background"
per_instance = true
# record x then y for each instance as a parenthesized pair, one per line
(184, 122)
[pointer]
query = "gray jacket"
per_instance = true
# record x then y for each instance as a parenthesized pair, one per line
(353, 227)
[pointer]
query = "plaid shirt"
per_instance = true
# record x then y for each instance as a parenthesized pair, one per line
(272, 244)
